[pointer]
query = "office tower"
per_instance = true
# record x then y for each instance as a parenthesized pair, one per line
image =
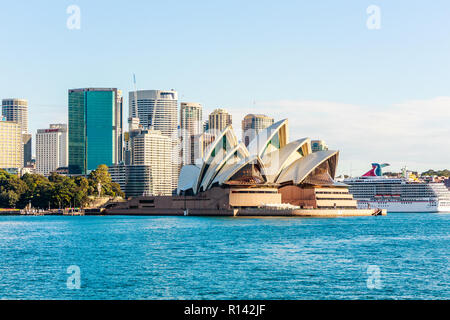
(51, 148)
(119, 128)
(27, 152)
(11, 145)
(95, 128)
(155, 108)
(191, 126)
(152, 148)
(252, 124)
(134, 180)
(318, 145)
(158, 110)
(16, 110)
(219, 119)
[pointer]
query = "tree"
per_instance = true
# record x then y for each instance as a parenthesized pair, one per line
(11, 189)
(81, 195)
(101, 176)
(441, 173)
(38, 191)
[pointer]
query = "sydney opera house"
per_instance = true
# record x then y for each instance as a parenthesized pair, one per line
(272, 176)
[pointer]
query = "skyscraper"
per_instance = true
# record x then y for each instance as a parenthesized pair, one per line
(11, 145)
(51, 148)
(252, 124)
(158, 110)
(27, 148)
(191, 126)
(95, 128)
(151, 148)
(219, 119)
(155, 108)
(16, 110)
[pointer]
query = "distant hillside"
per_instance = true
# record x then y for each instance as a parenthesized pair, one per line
(445, 173)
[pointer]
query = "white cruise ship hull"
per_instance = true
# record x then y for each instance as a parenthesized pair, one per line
(406, 206)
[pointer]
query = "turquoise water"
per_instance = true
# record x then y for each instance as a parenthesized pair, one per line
(226, 258)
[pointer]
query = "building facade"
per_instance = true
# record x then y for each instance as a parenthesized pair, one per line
(157, 108)
(151, 148)
(318, 145)
(252, 124)
(27, 149)
(191, 124)
(52, 148)
(95, 128)
(11, 145)
(218, 120)
(16, 110)
(134, 180)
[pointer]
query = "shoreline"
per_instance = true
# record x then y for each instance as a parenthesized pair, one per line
(326, 213)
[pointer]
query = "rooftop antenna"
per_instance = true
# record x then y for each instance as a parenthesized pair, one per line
(154, 112)
(135, 107)
(135, 97)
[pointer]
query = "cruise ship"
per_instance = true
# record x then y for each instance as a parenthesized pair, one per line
(405, 194)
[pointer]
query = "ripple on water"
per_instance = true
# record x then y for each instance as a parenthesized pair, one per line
(225, 258)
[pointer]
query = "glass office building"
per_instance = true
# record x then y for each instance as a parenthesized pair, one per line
(95, 128)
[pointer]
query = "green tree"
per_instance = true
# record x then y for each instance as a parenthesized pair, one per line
(11, 189)
(38, 191)
(81, 196)
(63, 192)
(102, 176)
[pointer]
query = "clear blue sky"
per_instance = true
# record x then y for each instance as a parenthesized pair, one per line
(245, 56)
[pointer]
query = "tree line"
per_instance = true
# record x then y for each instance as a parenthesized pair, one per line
(56, 191)
(440, 173)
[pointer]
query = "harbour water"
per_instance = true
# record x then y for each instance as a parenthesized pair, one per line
(399, 256)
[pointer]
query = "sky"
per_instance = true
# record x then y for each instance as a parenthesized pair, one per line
(377, 95)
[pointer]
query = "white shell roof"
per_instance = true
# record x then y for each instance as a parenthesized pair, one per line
(207, 159)
(281, 165)
(277, 160)
(259, 142)
(301, 168)
(227, 173)
(239, 153)
(188, 177)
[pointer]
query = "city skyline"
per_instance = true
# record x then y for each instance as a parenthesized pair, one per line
(345, 80)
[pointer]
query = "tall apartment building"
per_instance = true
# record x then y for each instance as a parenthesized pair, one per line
(152, 148)
(11, 145)
(191, 126)
(95, 128)
(27, 149)
(16, 110)
(158, 110)
(52, 148)
(252, 124)
(134, 180)
(218, 120)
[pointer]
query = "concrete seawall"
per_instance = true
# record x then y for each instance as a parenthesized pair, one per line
(247, 212)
